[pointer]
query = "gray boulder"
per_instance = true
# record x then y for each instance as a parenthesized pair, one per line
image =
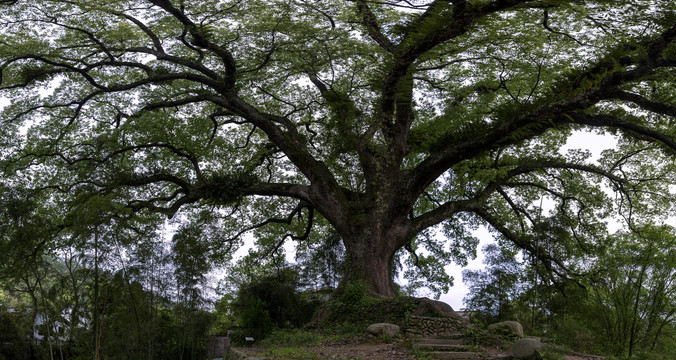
(509, 327)
(383, 329)
(527, 349)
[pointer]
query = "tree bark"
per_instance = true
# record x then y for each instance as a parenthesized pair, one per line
(370, 255)
(372, 268)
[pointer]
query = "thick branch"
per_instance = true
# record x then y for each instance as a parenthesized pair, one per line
(656, 107)
(632, 129)
(441, 213)
(201, 40)
(373, 28)
(420, 38)
(535, 121)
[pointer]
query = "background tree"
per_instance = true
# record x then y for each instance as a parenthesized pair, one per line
(493, 291)
(383, 120)
(634, 290)
(321, 262)
(278, 295)
(623, 307)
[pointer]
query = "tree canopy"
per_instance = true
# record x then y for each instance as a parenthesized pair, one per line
(384, 122)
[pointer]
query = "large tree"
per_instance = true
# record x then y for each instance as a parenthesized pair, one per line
(385, 120)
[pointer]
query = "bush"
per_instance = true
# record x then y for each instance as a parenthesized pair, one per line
(276, 296)
(351, 303)
(480, 337)
(256, 321)
(352, 309)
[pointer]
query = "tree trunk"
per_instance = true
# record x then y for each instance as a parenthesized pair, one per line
(374, 270)
(370, 258)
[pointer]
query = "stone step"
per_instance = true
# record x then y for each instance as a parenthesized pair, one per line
(440, 347)
(454, 355)
(457, 341)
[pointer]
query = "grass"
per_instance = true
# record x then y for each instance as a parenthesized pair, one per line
(294, 337)
(291, 352)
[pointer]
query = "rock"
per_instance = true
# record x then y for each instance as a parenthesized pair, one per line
(526, 349)
(383, 329)
(510, 327)
(429, 307)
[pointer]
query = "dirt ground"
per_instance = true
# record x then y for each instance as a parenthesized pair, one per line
(358, 349)
(347, 350)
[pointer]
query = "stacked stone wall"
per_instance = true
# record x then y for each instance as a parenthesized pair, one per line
(435, 327)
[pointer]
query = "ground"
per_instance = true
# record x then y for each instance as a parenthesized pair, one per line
(361, 348)
(354, 348)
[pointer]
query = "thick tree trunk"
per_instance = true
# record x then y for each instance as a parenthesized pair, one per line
(370, 258)
(374, 269)
(373, 228)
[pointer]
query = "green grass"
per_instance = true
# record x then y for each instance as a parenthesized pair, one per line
(291, 352)
(293, 337)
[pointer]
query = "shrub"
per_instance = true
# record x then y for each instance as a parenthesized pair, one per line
(256, 321)
(279, 298)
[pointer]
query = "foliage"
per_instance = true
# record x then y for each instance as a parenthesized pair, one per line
(492, 291)
(224, 315)
(256, 321)
(296, 353)
(321, 265)
(479, 336)
(293, 337)
(57, 299)
(623, 308)
(381, 123)
(274, 298)
(352, 303)
(351, 309)
(13, 344)
(633, 294)
(552, 353)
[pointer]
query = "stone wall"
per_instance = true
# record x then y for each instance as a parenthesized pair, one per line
(435, 327)
(218, 346)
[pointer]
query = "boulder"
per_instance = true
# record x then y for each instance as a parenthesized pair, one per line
(509, 327)
(383, 329)
(434, 308)
(526, 349)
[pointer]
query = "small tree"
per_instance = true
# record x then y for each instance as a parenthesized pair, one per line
(255, 318)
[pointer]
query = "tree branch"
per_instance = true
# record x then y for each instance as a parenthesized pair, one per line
(633, 129)
(533, 121)
(656, 107)
(373, 28)
(201, 40)
(525, 242)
